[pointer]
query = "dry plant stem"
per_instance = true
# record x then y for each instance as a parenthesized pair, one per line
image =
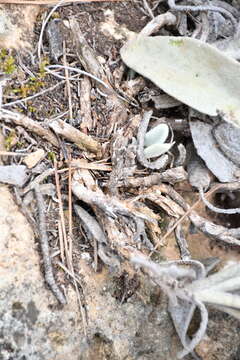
(61, 242)
(61, 214)
(147, 7)
(38, 179)
(45, 248)
(49, 172)
(205, 27)
(11, 153)
(162, 161)
(29, 124)
(117, 108)
(208, 228)
(214, 208)
(83, 141)
(215, 231)
(68, 86)
(171, 176)
(88, 58)
(123, 155)
(70, 223)
(198, 8)
(85, 104)
(182, 243)
(158, 22)
(201, 331)
(25, 211)
(76, 282)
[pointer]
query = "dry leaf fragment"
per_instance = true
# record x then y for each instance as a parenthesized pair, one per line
(223, 168)
(32, 159)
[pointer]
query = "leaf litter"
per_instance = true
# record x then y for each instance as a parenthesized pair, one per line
(103, 173)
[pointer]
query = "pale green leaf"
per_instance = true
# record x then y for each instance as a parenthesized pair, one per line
(158, 134)
(157, 149)
(190, 70)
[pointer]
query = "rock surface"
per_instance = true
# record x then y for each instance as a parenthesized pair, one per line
(31, 325)
(127, 316)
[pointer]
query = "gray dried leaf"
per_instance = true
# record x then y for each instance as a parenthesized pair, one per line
(223, 168)
(198, 173)
(55, 39)
(227, 137)
(13, 175)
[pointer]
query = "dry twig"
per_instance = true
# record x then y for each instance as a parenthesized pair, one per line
(83, 141)
(117, 109)
(45, 248)
(29, 124)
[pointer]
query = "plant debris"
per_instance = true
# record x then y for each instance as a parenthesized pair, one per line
(128, 140)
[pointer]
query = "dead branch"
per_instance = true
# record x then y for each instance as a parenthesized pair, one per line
(171, 176)
(87, 57)
(29, 124)
(83, 141)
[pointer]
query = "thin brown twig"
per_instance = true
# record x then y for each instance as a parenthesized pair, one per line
(61, 245)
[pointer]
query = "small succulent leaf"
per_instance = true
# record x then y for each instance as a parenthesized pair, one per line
(156, 150)
(158, 135)
(191, 71)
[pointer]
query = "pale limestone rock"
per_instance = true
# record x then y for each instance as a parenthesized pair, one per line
(31, 324)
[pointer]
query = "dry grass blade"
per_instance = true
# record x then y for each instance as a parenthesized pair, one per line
(61, 214)
(68, 86)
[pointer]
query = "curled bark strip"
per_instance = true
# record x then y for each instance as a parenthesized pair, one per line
(158, 22)
(214, 208)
